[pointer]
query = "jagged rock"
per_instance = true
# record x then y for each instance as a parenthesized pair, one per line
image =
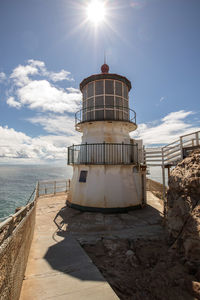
(183, 216)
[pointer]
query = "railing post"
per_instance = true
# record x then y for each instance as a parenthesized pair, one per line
(104, 152)
(73, 154)
(197, 139)
(37, 190)
(163, 178)
(122, 152)
(86, 153)
(54, 189)
(181, 146)
(68, 155)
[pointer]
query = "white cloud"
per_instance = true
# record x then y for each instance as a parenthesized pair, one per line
(59, 76)
(2, 76)
(11, 102)
(167, 130)
(15, 144)
(56, 124)
(21, 74)
(41, 94)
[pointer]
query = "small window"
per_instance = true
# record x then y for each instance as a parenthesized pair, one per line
(83, 176)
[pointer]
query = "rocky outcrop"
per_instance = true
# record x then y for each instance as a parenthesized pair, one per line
(183, 209)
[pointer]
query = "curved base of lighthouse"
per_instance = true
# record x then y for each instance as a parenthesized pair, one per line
(107, 188)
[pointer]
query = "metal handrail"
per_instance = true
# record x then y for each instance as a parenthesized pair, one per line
(131, 114)
(103, 154)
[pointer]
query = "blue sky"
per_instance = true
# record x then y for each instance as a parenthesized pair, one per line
(48, 47)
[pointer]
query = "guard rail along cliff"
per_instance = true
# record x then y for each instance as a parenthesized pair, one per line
(16, 233)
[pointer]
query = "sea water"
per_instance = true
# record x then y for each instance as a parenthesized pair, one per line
(17, 182)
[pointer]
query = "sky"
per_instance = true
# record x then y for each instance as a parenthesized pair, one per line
(47, 47)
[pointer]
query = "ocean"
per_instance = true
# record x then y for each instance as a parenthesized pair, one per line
(18, 181)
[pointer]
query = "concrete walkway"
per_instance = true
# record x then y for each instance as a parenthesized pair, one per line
(58, 268)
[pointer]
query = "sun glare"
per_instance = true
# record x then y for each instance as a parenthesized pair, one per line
(96, 11)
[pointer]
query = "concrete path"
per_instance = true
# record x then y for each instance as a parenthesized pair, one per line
(58, 268)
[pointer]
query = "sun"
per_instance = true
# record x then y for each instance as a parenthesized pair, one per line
(96, 12)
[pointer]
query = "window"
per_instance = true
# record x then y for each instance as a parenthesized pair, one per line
(125, 91)
(118, 88)
(99, 101)
(109, 101)
(99, 87)
(83, 176)
(118, 102)
(90, 89)
(90, 103)
(84, 92)
(109, 87)
(99, 115)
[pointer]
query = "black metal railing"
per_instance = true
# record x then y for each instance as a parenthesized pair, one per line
(103, 154)
(104, 113)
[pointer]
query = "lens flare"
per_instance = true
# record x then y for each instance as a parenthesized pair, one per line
(96, 12)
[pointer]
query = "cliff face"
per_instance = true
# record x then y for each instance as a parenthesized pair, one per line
(183, 219)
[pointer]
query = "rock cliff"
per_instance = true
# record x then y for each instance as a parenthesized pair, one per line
(183, 209)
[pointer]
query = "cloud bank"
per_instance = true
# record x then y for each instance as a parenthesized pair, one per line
(166, 130)
(40, 93)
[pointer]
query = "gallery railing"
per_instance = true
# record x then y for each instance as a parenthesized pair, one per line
(105, 113)
(103, 154)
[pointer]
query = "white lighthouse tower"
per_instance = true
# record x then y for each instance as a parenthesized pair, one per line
(108, 170)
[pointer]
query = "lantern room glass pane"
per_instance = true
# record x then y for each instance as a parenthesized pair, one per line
(118, 88)
(109, 101)
(109, 87)
(99, 87)
(90, 103)
(118, 102)
(125, 102)
(125, 91)
(84, 93)
(90, 115)
(99, 101)
(109, 114)
(90, 89)
(99, 114)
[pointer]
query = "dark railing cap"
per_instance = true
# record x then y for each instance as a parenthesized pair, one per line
(105, 76)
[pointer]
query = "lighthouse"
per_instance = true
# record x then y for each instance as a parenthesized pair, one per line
(109, 174)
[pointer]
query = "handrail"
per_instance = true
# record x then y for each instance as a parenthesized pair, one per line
(81, 114)
(103, 154)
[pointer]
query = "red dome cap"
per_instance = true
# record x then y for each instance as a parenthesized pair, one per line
(105, 68)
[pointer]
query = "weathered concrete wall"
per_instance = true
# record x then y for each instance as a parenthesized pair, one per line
(13, 257)
(108, 186)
